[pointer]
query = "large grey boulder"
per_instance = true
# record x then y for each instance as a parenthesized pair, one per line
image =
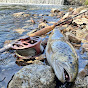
(33, 76)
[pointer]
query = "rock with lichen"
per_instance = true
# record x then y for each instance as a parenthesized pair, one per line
(33, 76)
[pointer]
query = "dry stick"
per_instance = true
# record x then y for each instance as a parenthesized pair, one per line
(40, 32)
(49, 28)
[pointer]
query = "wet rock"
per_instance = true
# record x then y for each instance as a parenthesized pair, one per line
(70, 9)
(78, 10)
(81, 21)
(84, 72)
(41, 14)
(85, 46)
(73, 38)
(60, 14)
(18, 14)
(81, 83)
(46, 14)
(43, 20)
(35, 15)
(51, 22)
(20, 31)
(26, 15)
(82, 79)
(86, 37)
(80, 34)
(86, 27)
(42, 25)
(84, 9)
(78, 21)
(21, 14)
(66, 15)
(54, 10)
(51, 14)
(7, 42)
(33, 76)
(67, 29)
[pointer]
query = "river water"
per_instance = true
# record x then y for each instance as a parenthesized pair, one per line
(8, 24)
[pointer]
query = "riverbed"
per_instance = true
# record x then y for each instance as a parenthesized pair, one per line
(8, 26)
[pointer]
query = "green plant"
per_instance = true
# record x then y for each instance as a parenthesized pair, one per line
(86, 2)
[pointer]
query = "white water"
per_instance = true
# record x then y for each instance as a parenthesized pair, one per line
(60, 2)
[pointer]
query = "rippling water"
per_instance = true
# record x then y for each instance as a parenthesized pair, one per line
(7, 25)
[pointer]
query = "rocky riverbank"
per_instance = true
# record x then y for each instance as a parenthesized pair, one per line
(39, 75)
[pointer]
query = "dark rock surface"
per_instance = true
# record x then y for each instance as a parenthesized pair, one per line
(74, 2)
